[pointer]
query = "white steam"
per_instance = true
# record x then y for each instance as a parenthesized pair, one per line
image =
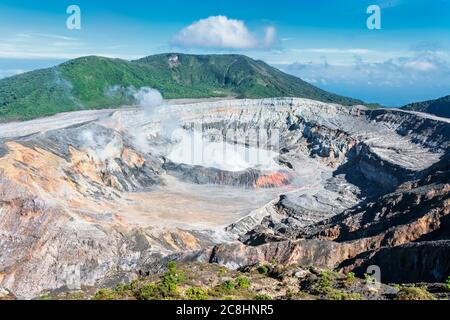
(150, 102)
(154, 130)
(101, 147)
(148, 98)
(145, 98)
(193, 149)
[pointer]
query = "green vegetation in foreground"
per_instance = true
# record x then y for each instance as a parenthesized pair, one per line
(326, 286)
(97, 82)
(207, 281)
(414, 293)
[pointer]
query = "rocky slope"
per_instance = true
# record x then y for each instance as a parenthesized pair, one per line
(91, 199)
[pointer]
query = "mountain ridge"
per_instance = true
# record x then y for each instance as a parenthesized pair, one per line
(439, 107)
(94, 82)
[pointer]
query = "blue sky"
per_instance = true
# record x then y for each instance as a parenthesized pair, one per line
(324, 42)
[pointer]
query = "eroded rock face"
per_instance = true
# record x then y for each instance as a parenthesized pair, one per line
(250, 178)
(300, 252)
(426, 261)
(58, 220)
(93, 198)
(405, 232)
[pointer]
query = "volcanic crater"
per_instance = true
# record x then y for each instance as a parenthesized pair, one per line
(96, 197)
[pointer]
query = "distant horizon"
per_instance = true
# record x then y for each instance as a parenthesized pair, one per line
(404, 59)
(48, 64)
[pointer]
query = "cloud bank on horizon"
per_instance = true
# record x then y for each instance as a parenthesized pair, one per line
(392, 82)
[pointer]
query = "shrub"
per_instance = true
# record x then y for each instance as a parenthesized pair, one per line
(325, 280)
(123, 288)
(195, 293)
(169, 283)
(105, 294)
(242, 282)
(263, 269)
(351, 277)
(369, 278)
(222, 271)
(397, 286)
(150, 291)
(172, 266)
(166, 288)
(173, 276)
(134, 283)
(262, 297)
(334, 294)
(227, 286)
(75, 296)
(171, 279)
(447, 284)
(414, 293)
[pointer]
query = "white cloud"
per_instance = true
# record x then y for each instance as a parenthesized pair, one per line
(51, 36)
(394, 81)
(420, 65)
(51, 46)
(270, 37)
(67, 44)
(335, 50)
(40, 53)
(222, 32)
